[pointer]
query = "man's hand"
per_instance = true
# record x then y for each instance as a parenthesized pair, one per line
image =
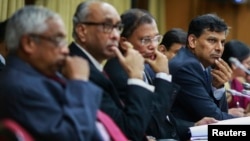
(240, 112)
(205, 120)
(132, 61)
(159, 63)
(221, 73)
(76, 68)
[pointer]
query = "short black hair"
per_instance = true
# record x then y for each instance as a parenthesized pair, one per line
(133, 18)
(174, 35)
(3, 25)
(207, 21)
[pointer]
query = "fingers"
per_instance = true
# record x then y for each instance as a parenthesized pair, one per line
(76, 68)
(131, 60)
(118, 54)
(223, 67)
(240, 112)
(210, 119)
(125, 46)
(159, 63)
(222, 73)
(219, 75)
(149, 61)
(206, 120)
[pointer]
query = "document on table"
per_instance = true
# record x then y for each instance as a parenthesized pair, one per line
(201, 132)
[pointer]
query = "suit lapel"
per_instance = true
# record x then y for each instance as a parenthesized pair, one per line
(96, 76)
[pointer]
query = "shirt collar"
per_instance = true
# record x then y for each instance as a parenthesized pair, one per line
(2, 59)
(91, 58)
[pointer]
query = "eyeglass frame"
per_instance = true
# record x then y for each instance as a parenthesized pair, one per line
(149, 40)
(58, 41)
(107, 27)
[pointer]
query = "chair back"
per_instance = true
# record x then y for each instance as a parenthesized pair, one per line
(10, 130)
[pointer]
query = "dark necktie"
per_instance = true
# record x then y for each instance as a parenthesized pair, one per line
(147, 77)
(206, 76)
(114, 132)
(59, 79)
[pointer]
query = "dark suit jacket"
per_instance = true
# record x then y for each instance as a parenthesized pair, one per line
(48, 110)
(196, 99)
(164, 96)
(133, 118)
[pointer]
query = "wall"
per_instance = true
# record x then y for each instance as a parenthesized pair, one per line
(180, 12)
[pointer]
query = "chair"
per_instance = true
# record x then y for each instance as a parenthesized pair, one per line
(10, 130)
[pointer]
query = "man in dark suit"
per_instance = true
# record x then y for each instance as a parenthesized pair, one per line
(97, 27)
(50, 106)
(173, 40)
(200, 71)
(141, 30)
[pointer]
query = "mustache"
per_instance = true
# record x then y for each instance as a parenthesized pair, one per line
(217, 55)
(114, 43)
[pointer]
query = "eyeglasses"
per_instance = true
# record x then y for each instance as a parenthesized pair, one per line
(57, 41)
(145, 41)
(107, 27)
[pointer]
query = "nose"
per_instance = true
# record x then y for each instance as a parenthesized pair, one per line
(65, 50)
(219, 46)
(153, 45)
(115, 34)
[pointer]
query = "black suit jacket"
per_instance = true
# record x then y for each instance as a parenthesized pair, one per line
(196, 99)
(164, 96)
(133, 118)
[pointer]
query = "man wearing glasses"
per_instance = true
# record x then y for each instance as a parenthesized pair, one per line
(50, 105)
(140, 29)
(96, 31)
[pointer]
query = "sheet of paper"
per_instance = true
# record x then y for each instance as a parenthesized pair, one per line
(202, 130)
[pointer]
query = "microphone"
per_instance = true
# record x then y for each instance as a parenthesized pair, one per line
(238, 64)
(246, 92)
(246, 85)
(236, 93)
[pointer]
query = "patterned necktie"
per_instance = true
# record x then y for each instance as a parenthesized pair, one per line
(113, 130)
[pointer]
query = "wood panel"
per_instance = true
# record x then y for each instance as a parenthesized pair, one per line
(180, 12)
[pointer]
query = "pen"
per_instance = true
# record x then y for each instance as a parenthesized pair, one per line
(238, 104)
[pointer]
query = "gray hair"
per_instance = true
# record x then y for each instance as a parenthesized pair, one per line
(27, 20)
(81, 14)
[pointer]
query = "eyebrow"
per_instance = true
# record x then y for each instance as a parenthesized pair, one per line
(150, 36)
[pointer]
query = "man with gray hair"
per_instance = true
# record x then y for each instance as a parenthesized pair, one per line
(52, 106)
(96, 31)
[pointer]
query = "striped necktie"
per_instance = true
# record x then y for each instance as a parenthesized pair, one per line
(113, 130)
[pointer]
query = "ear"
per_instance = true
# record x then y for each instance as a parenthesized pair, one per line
(162, 48)
(27, 44)
(192, 41)
(81, 32)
